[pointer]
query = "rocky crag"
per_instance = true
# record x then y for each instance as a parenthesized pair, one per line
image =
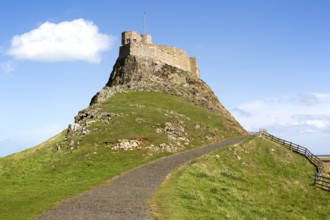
(145, 67)
(134, 73)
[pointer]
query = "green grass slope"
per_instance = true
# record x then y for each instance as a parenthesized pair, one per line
(256, 180)
(37, 179)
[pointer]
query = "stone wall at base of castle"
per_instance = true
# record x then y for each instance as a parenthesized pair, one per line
(165, 54)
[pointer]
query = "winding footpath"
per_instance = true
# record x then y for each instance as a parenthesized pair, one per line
(127, 195)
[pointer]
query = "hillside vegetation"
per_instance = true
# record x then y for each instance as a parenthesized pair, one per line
(256, 180)
(155, 125)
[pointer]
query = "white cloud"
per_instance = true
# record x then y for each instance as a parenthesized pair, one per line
(66, 41)
(310, 111)
(319, 122)
(8, 67)
(293, 118)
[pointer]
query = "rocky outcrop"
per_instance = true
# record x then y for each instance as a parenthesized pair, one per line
(139, 74)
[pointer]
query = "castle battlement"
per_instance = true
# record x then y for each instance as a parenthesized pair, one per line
(142, 46)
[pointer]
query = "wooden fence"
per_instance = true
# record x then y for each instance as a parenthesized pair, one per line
(321, 181)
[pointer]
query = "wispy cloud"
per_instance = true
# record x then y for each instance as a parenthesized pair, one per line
(311, 111)
(8, 67)
(323, 96)
(295, 118)
(240, 112)
(66, 41)
(316, 122)
(310, 99)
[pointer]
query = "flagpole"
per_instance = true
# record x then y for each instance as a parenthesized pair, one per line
(145, 23)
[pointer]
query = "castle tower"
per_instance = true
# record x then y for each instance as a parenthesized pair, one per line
(146, 38)
(128, 37)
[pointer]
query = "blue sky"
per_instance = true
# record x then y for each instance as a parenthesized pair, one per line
(267, 61)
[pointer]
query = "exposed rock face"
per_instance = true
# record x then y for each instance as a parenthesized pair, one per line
(139, 74)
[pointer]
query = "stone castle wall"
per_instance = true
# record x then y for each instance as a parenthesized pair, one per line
(165, 54)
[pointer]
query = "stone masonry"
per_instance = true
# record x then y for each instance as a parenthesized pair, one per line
(142, 46)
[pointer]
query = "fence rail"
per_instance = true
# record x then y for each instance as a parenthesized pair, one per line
(321, 181)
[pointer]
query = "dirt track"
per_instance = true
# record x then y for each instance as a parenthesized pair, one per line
(126, 196)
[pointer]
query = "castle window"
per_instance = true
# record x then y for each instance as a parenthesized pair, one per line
(134, 40)
(128, 41)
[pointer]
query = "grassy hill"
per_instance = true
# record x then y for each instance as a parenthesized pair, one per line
(34, 180)
(256, 180)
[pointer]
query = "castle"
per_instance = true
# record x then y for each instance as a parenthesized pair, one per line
(142, 46)
(143, 66)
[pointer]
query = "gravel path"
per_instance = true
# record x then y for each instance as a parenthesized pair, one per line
(126, 196)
